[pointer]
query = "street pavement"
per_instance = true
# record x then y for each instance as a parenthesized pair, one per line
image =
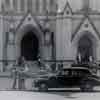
(75, 94)
(25, 95)
(83, 96)
(69, 92)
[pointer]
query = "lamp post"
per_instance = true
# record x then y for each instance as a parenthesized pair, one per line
(11, 35)
(47, 32)
(49, 35)
(11, 45)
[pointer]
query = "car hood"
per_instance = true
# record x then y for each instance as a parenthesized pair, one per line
(21, 95)
(45, 75)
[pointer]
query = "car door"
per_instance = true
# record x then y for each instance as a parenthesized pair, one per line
(67, 77)
(76, 77)
(64, 78)
(60, 79)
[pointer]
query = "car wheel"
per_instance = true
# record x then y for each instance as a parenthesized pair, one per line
(82, 89)
(87, 87)
(43, 87)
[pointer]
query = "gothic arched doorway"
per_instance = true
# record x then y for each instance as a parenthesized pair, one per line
(85, 49)
(30, 46)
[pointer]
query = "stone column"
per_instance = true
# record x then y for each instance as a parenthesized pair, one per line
(11, 47)
(29, 4)
(59, 31)
(1, 3)
(37, 6)
(1, 43)
(86, 4)
(52, 6)
(98, 51)
(11, 51)
(41, 6)
(19, 6)
(26, 6)
(33, 6)
(48, 4)
(44, 6)
(15, 5)
(11, 4)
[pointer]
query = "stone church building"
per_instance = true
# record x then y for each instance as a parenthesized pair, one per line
(35, 28)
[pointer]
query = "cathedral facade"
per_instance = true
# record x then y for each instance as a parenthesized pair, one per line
(77, 33)
(35, 28)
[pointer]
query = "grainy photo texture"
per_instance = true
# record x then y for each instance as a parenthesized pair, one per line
(49, 49)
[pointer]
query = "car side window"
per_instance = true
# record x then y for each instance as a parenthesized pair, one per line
(86, 72)
(65, 72)
(79, 73)
(76, 73)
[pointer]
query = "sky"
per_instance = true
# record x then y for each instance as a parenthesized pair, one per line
(76, 4)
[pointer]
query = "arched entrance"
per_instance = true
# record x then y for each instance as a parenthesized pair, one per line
(85, 49)
(30, 46)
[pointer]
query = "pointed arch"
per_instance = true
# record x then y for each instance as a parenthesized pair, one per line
(91, 35)
(86, 25)
(86, 45)
(67, 6)
(29, 46)
(28, 30)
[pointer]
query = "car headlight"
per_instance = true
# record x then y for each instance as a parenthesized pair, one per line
(35, 81)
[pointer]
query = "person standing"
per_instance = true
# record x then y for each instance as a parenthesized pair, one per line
(22, 70)
(90, 59)
(15, 76)
(41, 64)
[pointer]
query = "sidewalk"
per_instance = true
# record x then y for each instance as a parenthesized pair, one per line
(6, 81)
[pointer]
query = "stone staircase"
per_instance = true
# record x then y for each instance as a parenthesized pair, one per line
(32, 71)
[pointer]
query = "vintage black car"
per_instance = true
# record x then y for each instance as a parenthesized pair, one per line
(80, 77)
